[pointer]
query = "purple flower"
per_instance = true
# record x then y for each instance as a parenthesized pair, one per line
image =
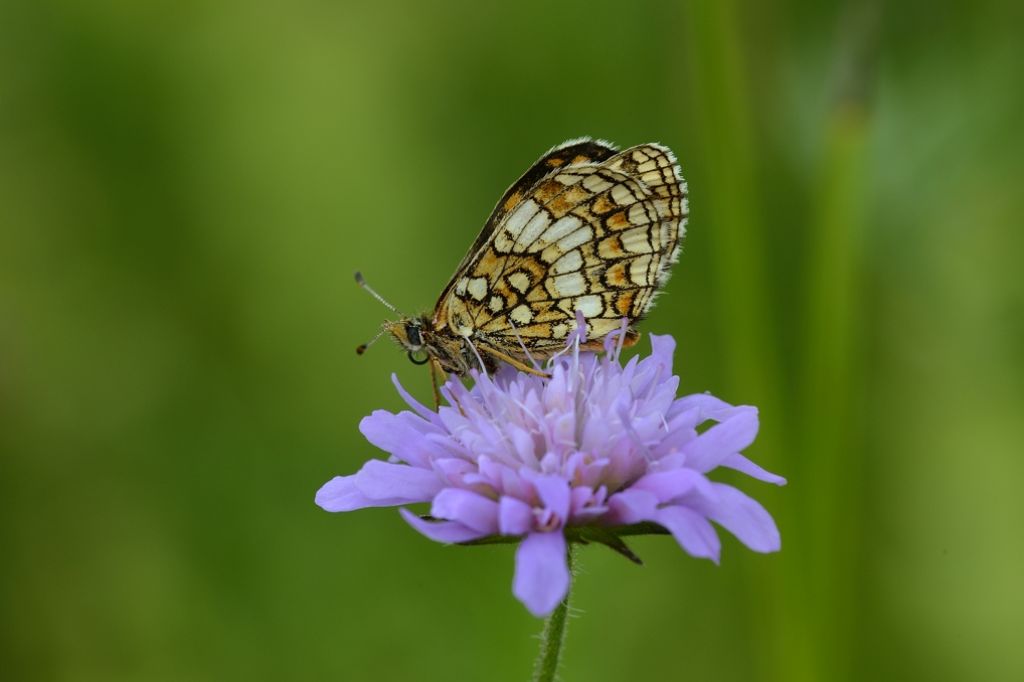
(588, 453)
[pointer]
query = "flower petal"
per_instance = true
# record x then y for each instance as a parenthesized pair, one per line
(691, 530)
(441, 531)
(340, 494)
(731, 435)
(582, 498)
(742, 516)
(468, 508)
(416, 405)
(554, 493)
(379, 480)
(632, 506)
(744, 465)
(403, 435)
(663, 346)
(668, 485)
(515, 517)
(681, 429)
(542, 575)
(709, 406)
(454, 471)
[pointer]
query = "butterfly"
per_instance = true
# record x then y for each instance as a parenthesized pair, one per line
(587, 228)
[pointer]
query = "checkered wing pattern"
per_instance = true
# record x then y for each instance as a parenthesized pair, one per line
(587, 228)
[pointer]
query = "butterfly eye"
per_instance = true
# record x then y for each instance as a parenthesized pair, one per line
(419, 357)
(412, 331)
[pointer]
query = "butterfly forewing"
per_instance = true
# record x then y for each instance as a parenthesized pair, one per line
(578, 151)
(586, 229)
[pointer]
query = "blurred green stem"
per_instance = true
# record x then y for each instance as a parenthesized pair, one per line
(832, 387)
(553, 635)
(730, 199)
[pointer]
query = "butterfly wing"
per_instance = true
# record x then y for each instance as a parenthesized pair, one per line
(579, 151)
(586, 228)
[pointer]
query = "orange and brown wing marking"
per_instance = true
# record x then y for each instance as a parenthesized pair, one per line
(655, 166)
(593, 237)
(582, 150)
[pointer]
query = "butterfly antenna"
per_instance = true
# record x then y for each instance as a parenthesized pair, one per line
(361, 348)
(362, 282)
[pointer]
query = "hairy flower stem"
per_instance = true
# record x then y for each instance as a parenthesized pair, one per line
(553, 635)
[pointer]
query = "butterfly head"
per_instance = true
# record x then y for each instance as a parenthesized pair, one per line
(421, 340)
(412, 334)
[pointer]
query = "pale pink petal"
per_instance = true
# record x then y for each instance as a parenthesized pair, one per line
(441, 531)
(416, 405)
(340, 494)
(632, 506)
(672, 484)
(728, 437)
(663, 346)
(742, 516)
(691, 530)
(542, 575)
(402, 435)
(468, 508)
(379, 480)
(515, 517)
(554, 493)
(453, 471)
(742, 464)
(706, 403)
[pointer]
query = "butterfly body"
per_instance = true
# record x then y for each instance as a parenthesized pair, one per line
(423, 343)
(586, 229)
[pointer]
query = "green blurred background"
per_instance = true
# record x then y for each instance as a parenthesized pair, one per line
(187, 187)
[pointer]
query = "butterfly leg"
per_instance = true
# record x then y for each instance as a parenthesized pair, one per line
(518, 364)
(435, 370)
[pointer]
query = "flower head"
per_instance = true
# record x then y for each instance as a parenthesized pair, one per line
(588, 452)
